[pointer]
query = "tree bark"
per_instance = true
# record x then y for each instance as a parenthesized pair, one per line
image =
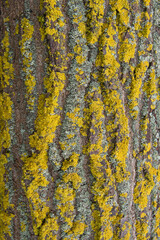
(80, 119)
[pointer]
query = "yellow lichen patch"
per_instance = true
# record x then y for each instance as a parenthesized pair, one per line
(45, 125)
(147, 148)
(144, 187)
(53, 12)
(48, 118)
(96, 153)
(150, 46)
(53, 15)
(33, 168)
(80, 59)
(23, 226)
(28, 30)
(112, 101)
(137, 25)
(6, 74)
(70, 135)
(77, 228)
(157, 227)
(127, 227)
(141, 230)
(127, 236)
(158, 174)
(126, 50)
(141, 52)
(16, 29)
(151, 88)
(66, 196)
(74, 178)
(111, 63)
(114, 104)
(71, 162)
(30, 82)
(146, 2)
(96, 223)
(143, 215)
(6, 68)
(144, 125)
(122, 149)
(74, 117)
(49, 229)
(136, 86)
(145, 30)
(82, 28)
(77, 49)
(124, 195)
(5, 218)
(5, 115)
(108, 60)
(95, 20)
(122, 6)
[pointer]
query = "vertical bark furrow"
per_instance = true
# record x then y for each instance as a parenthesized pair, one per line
(79, 119)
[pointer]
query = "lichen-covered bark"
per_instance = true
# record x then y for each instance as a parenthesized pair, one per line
(80, 120)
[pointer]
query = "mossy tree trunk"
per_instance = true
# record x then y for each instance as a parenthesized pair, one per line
(79, 119)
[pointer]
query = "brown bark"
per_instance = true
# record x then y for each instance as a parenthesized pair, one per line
(79, 119)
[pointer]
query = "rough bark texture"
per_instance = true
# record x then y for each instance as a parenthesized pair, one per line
(80, 119)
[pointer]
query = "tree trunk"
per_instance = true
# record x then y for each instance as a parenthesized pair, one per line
(80, 119)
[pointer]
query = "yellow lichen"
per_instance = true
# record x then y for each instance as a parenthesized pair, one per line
(30, 82)
(145, 30)
(151, 88)
(141, 230)
(146, 2)
(66, 196)
(6, 68)
(74, 178)
(77, 228)
(150, 46)
(49, 229)
(144, 187)
(16, 29)
(96, 153)
(136, 85)
(157, 227)
(6, 74)
(45, 125)
(48, 118)
(127, 50)
(23, 226)
(71, 162)
(95, 20)
(147, 148)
